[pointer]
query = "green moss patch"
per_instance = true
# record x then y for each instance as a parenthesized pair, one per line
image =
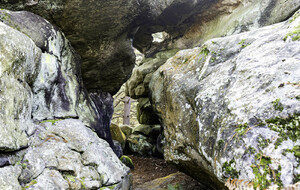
(205, 51)
(288, 128)
(264, 175)
(243, 43)
(229, 169)
(109, 187)
(242, 129)
(295, 16)
(277, 105)
(127, 161)
(29, 184)
(175, 187)
(53, 121)
(294, 34)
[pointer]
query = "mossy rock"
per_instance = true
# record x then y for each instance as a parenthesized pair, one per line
(143, 129)
(127, 161)
(140, 144)
(127, 130)
(117, 134)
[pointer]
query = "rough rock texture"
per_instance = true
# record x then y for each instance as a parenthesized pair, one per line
(9, 177)
(40, 80)
(117, 134)
(145, 113)
(108, 26)
(138, 84)
(62, 155)
(145, 140)
(102, 32)
(231, 107)
(208, 19)
(19, 63)
(55, 78)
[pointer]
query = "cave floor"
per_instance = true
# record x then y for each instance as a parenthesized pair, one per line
(148, 169)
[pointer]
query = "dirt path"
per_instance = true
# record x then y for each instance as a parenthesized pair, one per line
(148, 169)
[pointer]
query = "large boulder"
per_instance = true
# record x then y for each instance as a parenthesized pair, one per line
(207, 19)
(231, 107)
(40, 86)
(19, 63)
(102, 31)
(64, 154)
(52, 73)
(138, 84)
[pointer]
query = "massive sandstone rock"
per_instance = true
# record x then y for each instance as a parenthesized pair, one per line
(102, 31)
(208, 20)
(54, 79)
(231, 107)
(40, 80)
(64, 155)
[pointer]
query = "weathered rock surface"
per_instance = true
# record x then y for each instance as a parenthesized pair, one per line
(117, 134)
(102, 31)
(145, 113)
(66, 154)
(40, 80)
(208, 19)
(19, 62)
(140, 144)
(231, 107)
(108, 26)
(138, 84)
(54, 78)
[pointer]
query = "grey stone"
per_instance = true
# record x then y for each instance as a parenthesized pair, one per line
(49, 179)
(145, 113)
(88, 25)
(140, 144)
(74, 155)
(9, 177)
(19, 61)
(219, 105)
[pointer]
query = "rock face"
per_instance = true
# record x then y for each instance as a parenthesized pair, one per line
(231, 107)
(102, 32)
(41, 87)
(55, 78)
(207, 19)
(65, 155)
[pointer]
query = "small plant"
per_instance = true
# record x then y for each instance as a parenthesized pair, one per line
(294, 34)
(30, 184)
(242, 129)
(263, 173)
(175, 187)
(243, 43)
(71, 178)
(262, 142)
(205, 51)
(24, 165)
(277, 105)
(229, 169)
(82, 182)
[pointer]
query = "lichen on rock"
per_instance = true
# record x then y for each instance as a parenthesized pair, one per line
(240, 101)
